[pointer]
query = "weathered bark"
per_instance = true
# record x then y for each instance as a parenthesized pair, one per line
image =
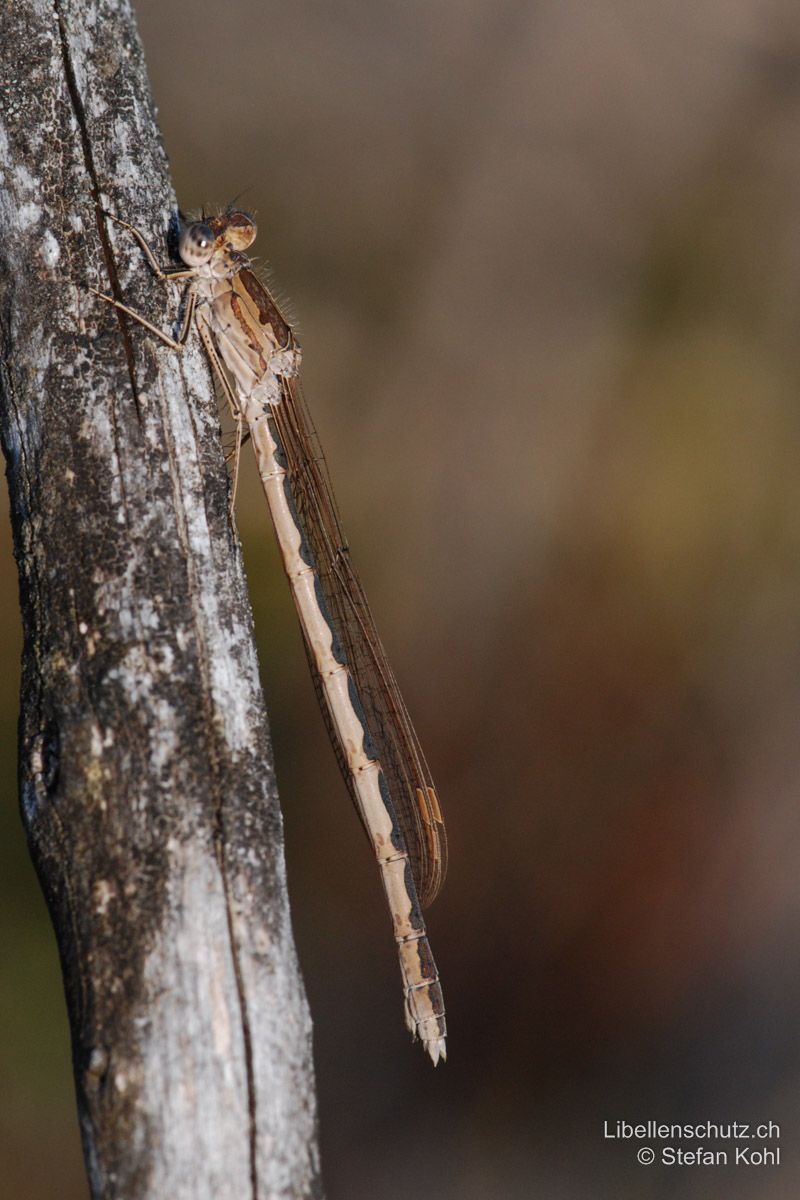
(147, 789)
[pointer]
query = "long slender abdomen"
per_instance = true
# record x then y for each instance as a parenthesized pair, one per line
(424, 1005)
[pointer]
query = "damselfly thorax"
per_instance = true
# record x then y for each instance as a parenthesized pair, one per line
(256, 359)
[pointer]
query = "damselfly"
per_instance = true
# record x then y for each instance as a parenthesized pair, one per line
(255, 357)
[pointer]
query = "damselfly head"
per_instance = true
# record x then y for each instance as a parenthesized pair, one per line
(197, 244)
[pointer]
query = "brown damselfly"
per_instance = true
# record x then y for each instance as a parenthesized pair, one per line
(255, 356)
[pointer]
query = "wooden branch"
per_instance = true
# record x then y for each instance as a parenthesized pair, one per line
(147, 788)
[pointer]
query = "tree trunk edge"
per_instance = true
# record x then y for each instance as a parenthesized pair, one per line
(149, 808)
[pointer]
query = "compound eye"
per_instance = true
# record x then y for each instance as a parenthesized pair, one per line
(196, 244)
(241, 230)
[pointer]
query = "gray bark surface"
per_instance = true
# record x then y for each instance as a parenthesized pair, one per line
(146, 782)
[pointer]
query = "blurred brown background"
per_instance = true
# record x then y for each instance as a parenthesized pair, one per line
(545, 260)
